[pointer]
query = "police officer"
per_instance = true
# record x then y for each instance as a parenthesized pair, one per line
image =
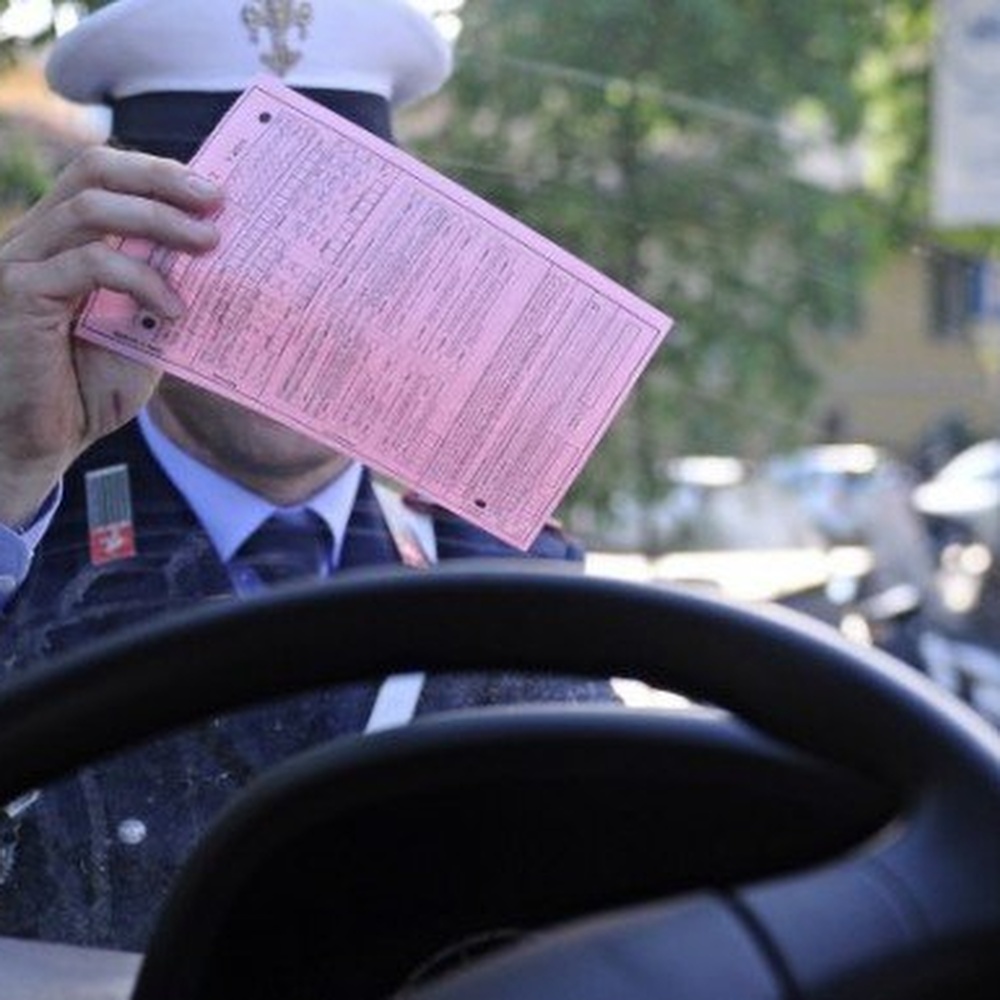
(125, 494)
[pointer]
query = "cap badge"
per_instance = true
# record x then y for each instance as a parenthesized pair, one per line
(278, 18)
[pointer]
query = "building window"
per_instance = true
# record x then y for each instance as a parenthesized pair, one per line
(954, 286)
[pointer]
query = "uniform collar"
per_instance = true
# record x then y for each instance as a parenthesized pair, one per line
(230, 513)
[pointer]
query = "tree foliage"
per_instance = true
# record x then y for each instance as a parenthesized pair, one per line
(663, 142)
(11, 46)
(23, 177)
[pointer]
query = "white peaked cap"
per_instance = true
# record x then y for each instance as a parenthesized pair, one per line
(389, 48)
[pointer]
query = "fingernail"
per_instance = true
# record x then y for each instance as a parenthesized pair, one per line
(173, 306)
(204, 230)
(203, 187)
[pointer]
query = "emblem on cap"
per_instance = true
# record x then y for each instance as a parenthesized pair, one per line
(278, 18)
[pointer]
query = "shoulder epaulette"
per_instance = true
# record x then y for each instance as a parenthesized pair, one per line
(418, 502)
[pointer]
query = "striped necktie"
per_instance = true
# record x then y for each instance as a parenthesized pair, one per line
(287, 547)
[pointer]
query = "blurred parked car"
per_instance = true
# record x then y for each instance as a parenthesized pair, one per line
(963, 498)
(818, 497)
(857, 494)
(827, 529)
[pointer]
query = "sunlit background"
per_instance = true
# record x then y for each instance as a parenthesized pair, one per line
(30, 18)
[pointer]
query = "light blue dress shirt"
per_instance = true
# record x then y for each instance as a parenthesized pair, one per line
(17, 547)
(228, 512)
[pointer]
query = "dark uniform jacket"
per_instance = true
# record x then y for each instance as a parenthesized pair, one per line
(91, 859)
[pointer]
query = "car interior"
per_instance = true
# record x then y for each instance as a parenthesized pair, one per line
(792, 535)
(759, 846)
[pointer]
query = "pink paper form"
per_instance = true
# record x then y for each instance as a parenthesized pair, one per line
(361, 298)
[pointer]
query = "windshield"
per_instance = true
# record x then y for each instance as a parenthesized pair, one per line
(806, 190)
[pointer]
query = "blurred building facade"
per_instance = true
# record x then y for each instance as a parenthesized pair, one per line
(923, 360)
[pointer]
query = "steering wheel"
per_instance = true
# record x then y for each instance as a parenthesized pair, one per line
(911, 912)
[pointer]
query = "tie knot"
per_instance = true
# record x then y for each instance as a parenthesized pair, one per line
(287, 546)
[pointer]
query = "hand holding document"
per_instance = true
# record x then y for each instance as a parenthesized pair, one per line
(362, 299)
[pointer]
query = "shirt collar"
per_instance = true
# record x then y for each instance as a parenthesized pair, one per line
(230, 513)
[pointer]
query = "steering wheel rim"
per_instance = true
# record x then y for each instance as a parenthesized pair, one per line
(927, 895)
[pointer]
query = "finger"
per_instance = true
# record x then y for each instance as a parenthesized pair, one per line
(43, 289)
(95, 213)
(129, 172)
(125, 172)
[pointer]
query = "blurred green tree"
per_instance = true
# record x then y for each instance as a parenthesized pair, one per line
(667, 144)
(39, 27)
(23, 175)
